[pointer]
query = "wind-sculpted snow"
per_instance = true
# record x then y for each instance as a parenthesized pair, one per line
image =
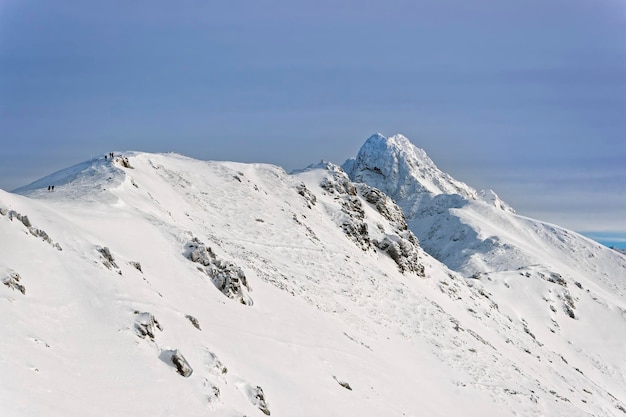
(338, 326)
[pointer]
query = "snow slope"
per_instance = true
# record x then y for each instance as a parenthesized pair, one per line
(158, 285)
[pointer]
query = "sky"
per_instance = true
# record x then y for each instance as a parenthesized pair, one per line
(524, 97)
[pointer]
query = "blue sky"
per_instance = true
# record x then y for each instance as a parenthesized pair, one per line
(525, 97)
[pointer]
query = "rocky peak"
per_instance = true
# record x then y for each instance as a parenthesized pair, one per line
(403, 171)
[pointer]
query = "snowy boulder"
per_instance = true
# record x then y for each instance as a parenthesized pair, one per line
(146, 324)
(12, 280)
(226, 276)
(230, 280)
(175, 358)
(213, 364)
(256, 396)
(198, 252)
(123, 161)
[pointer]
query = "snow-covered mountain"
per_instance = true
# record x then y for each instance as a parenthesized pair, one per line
(155, 284)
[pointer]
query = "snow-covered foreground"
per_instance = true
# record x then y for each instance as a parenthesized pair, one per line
(162, 285)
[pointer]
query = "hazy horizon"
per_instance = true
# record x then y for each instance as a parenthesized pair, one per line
(525, 99)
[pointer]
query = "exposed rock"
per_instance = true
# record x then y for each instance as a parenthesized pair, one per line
(123, 161)
(308, 195)
(25, 221)
(339, 183)
(343, 383)
(136, 265)
(3, 211)
(568, 304)
(193, 321)
(12, 280)
(384, 205)
(107, 259)
(403, 250)
(230, 280)
(358, 232)
(12, 214)
(257, 397)
(146, 324)
(214, 392)
(181, 364)
(226, 276)
(175, 358)
(215, 366)
(557, 279)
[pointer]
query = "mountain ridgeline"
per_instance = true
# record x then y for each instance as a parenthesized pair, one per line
(158, 285)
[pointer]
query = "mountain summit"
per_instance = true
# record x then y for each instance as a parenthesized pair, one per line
(402, 170)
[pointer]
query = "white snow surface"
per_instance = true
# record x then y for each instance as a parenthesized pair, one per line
(111, 296)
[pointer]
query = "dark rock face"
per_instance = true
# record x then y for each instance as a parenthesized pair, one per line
(226, 276)
(12, 280)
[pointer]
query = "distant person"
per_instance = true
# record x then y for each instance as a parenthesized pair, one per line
(48, 188)
(53, 188)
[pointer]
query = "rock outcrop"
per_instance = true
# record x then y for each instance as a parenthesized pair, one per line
(226, 276)
(12, 280)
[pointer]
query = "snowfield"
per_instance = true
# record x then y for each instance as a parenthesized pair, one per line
(160, 285)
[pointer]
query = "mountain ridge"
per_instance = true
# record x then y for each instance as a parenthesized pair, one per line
(343, 295)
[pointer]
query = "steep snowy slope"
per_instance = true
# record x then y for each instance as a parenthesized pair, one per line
(162, 285)
(539, 271)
